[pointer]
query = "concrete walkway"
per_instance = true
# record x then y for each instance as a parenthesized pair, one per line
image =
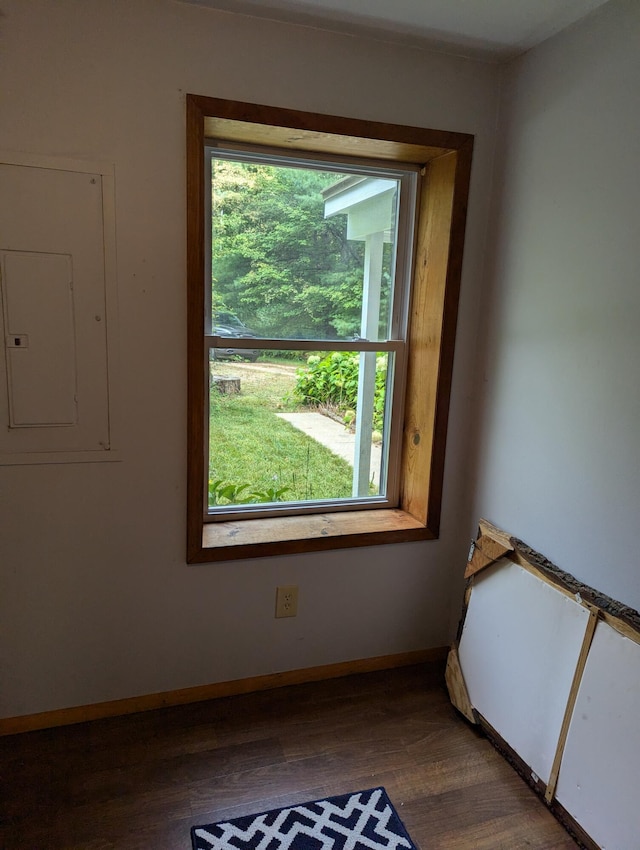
(334, 436)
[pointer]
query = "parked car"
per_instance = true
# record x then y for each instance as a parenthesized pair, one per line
(231, 353)
(224, 319)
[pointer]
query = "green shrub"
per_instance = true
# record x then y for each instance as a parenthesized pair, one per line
(332, 381)
(226, 493)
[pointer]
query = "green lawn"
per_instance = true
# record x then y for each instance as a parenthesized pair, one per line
(250, 445)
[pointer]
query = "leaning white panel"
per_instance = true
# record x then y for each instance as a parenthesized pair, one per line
(518, 653)
(598, 782)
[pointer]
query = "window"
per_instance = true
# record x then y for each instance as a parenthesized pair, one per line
(315, 255)
(333, 245)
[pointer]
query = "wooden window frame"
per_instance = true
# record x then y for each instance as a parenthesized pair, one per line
(445, 161)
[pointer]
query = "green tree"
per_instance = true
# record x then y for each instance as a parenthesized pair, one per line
(277, 263)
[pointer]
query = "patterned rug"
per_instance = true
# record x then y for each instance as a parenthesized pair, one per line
(365, 820)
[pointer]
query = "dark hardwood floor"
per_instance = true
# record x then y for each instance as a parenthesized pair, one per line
(140, 782)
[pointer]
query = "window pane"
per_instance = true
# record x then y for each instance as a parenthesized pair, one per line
(297, 428)
(299, 253)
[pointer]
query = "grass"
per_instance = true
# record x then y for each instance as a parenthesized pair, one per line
(250, 445)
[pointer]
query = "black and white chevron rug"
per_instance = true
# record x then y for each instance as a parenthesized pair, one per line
(365, 820)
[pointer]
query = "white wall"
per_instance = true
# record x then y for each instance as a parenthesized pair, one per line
(97, 602)
(559, 447)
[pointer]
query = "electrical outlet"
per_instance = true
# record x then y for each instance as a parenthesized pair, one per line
(287, 601)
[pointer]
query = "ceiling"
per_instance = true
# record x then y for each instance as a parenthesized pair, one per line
(494, 30)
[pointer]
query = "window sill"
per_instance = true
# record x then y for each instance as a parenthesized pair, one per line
(252, 538)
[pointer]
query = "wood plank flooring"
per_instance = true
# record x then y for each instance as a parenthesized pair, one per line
(140, 782)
